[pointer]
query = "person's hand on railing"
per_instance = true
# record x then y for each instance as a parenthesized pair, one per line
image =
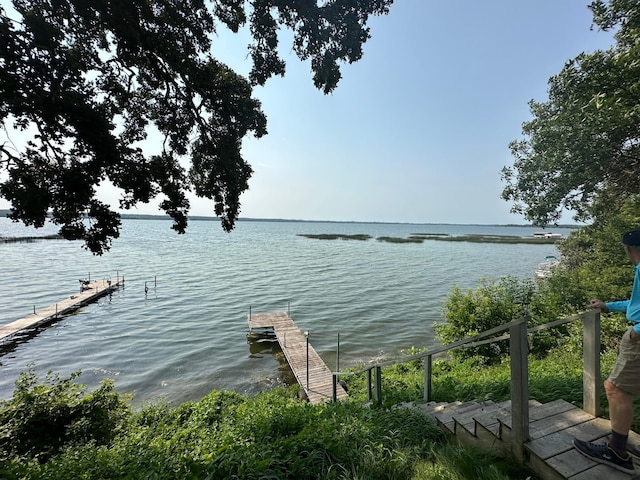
(595, 303)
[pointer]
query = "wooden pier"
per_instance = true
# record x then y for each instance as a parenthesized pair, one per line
(310, 371)
(91, 291)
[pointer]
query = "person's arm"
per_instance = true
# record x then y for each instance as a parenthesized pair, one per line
(633, 308)
(620, 306)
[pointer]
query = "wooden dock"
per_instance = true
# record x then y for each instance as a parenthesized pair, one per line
(549, 452)
(91, 291)
(310, 371)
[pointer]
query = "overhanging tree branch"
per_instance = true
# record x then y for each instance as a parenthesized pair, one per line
(93, 77)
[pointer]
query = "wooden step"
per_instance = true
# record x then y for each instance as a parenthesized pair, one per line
(552, 427)
(445, 416)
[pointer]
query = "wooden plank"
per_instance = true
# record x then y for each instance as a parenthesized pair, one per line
(445, 415)
(93, 291)
(539, 411)
(558, 452)
(549, 409)
(543, 470)
(562, 441)
(309, 369)
(468, 420)
(490, 420)
(575, 466)
(559, 422)
(600, 472)
(570, 463)
(488, 439)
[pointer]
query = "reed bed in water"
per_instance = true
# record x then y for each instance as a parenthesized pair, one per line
(29, 239)
(486, 238)
(445, 237)
(335, 236)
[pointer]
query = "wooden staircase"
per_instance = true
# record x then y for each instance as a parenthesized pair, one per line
(549, 452)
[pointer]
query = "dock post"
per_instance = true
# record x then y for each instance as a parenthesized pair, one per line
(428, 365)
(335, 387)
(155, 281)
(146, 289)
(338, 354)
(249, 312)
(307, 335)
(378, 392)
(34, 309)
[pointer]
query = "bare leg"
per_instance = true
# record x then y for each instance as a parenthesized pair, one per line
(620, 408)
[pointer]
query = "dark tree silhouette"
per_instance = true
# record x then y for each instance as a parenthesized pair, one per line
(87, 81)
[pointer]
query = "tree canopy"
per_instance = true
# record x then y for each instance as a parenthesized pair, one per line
(581, 150)
(87, 82)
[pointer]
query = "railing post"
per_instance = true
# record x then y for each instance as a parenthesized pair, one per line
(369, 387)
(518, 347)
(591, 363)
(335, 387)
(378, 392)
(427, 378)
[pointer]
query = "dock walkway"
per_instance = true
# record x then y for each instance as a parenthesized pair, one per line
(317, 379)
(90, 293)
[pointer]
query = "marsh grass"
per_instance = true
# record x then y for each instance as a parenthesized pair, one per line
(441, 237)
(400, 240)
(429, 235)
(29, 239)
(335, 236)
(509, 239)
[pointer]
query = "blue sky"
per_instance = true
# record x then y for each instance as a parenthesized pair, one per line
(417, 130)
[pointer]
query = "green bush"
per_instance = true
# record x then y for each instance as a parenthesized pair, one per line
(594, 260)
(493, 304)
(227, 435)
(41, 418)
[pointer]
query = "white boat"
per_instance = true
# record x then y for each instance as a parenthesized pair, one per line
(547, 235)
(543, 270)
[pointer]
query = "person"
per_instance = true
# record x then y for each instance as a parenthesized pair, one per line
(624, 381)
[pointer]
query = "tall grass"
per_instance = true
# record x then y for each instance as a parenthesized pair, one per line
(228, 435)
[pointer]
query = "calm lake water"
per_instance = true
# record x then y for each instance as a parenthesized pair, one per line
(187, 335)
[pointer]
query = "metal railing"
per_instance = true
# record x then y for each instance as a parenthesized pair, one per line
(519, 365)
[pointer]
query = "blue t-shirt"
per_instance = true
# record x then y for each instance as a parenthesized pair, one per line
(631, 306)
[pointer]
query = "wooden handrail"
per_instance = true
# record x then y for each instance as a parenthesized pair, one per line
(518, 345)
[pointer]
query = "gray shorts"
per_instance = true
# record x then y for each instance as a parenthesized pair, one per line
(626, 372)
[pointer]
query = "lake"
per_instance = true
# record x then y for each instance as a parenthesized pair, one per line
(187, 334)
